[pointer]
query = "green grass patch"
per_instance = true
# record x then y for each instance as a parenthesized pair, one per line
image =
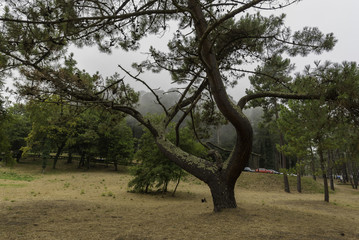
(311, 186)
(274, 182)
(15, 176)
(13, 185)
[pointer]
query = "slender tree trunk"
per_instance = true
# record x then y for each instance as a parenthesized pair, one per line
(299, 176)
(282, 156)
(325, 180)
(299, 183)
(178, 182)
(18, 156)
(82, 160)
(350, 173)
(313, 165)
(88, 162)
(115, 164)
(330, 171)
(69, 159)
(345, 170)
(313, 170)
(355, 174)
(286, 182)
(59, 151)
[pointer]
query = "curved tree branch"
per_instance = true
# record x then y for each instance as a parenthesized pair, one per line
(84, 19)
(195, 131)
(148, 87)
(183, 118)
(265, 75)
(243, 101)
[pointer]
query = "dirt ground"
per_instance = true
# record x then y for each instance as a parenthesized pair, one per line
(96, 204)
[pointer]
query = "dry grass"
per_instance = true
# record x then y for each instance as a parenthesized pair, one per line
(95, 204)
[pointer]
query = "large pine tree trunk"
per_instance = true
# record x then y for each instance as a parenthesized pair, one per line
(222, 195)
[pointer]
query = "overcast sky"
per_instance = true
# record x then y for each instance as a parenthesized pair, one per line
(339, 17)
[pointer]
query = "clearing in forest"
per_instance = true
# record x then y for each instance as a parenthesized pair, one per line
(95, 204)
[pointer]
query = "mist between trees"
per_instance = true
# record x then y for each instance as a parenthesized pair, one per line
(308, 116)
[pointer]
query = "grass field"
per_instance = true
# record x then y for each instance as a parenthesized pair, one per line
(74, 204)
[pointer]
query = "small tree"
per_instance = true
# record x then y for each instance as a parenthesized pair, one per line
(153, 169)
(115, 142)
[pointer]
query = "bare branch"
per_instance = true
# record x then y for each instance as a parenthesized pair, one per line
(109, 86)
(195, 132)
(148, 87)
(179, 104)
(265, 75)
(183, 118)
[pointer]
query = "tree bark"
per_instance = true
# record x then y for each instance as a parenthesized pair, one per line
(330, 170)
(222, 195)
